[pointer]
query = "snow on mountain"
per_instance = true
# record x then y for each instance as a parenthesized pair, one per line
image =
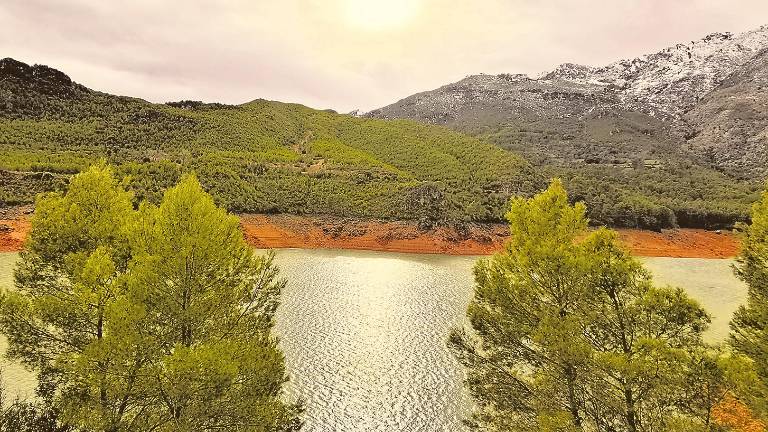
(664, 84)
(671, 81)
(654, 106)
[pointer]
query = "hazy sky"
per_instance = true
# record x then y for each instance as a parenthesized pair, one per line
(340, 54)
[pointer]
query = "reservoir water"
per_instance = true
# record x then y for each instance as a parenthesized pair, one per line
(364, 333)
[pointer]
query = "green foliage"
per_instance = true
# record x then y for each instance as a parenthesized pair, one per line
(685, 195)
(23, 416)
(568, 333)
(627, 168)
(259, 157)
(28, 416)
(154, 319)
(20, 188)
(749, 327)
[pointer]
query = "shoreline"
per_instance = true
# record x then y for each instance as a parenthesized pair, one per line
(326, 232)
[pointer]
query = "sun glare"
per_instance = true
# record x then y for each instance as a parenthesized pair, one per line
(379, 15)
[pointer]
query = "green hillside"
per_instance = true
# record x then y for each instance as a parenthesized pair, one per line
(630, 173)
(631, 168)
(257, 157)
(270, 157)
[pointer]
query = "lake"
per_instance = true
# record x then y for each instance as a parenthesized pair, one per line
(364, 332)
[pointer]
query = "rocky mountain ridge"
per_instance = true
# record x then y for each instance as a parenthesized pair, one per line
(729, 126)
(671, 81)
(626, 111)
(665, 83)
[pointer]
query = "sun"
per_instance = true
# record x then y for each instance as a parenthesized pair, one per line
(379, 15)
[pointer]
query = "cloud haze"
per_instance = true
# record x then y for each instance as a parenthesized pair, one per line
(340, 54)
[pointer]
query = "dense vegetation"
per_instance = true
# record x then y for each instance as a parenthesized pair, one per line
(632, 168)
(569, 333)
(629, 169)
(687, 195)
(156, 319)
(271, 157)
(18, 415)
(256, 157)
(749, 326)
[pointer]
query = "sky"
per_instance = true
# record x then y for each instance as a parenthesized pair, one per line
(341, 54)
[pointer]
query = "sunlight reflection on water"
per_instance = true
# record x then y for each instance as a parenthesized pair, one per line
(365, 333)
(365, 339)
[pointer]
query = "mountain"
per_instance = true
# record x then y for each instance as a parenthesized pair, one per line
(271, 157)
(260, 156)
(548, 120)
(671, 81)
(683, 128)
(729, 126)
(665, 84)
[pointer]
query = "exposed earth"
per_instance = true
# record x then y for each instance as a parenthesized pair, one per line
(325, 232)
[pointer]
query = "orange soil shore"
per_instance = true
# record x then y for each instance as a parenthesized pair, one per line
(13, 232)
(322, 232)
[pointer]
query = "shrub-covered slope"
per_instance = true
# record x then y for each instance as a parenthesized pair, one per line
(729, 127)
(261, 156)
(678, 135)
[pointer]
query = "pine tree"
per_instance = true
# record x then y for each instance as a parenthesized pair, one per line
(526, 361)
(749, 327)
(207, 305)
(645, 341)
(67, 279)
(150, 320)
(568, 333)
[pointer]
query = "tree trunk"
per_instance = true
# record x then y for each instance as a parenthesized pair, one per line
(99, 336)
(631, 411)
(570, 375)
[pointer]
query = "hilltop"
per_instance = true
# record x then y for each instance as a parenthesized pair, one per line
(258, 157)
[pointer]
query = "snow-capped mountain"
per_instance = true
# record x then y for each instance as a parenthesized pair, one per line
(730, 124)
(671, 81)
(615, 114)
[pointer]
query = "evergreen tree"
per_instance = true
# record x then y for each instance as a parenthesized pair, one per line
(526, 361)
(67, 278)
(749, 327)
(568, 333)
(149, 320)
(206, 304)
(646, 343)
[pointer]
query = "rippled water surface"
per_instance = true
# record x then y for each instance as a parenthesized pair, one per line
(364, 333)
(19, 381)
(365, 338)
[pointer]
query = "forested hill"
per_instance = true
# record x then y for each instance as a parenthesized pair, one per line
(270, 157)
(260, 156)
(678, 133)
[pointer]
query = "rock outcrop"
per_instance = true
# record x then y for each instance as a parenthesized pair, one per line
(702, 101)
